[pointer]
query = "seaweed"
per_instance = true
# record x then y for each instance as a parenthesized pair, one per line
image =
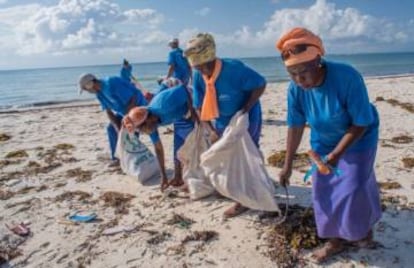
(204, 236)
(403, 139)
(277, 159)
(81, 175)
(180, 220)
(408, 162)
(5, 194)
(17, 154)
(64, 146)
(79, 195)
(298, 231)
(4, 137)
(389, 185)
(119, 201)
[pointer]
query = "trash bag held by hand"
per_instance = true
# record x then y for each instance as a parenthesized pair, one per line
(236, 169)
(135, 158)
(189, 155)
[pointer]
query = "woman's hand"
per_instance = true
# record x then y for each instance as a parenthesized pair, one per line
(128, 124)
(164, 184)
(284, 176)
(332, 159)
(213, 136)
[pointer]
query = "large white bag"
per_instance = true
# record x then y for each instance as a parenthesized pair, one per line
(135, 158)
(235, 167)
(189, 155)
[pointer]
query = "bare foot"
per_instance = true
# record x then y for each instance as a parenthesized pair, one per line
(114, 163)
(330, 248)
(367, 242)
(234, 210)
(176, 182)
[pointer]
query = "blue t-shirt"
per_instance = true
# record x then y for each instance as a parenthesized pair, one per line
(116, 93)
(126, 73)
(330, 109)
(170, 105)
(180, 63)
(233, 88)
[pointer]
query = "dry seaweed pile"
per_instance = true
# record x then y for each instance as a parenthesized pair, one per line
(180, 220)
(4, 194)
(408, 162)
(52, 157)
(7, 162)
(4, 137)
(277, 159)
(389, 185)
(17, 154)
(71, 195)
(119, 201)
(287, 239)
(204, 236)
(403, 139)
(158, 238)
(59, 153)
(398, 202)
(7, 254)
(405, 105)
(79, 174)
(34, 168)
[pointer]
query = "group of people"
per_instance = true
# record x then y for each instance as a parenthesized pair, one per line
(331, 97)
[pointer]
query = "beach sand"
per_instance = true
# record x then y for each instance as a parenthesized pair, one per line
(55, 162)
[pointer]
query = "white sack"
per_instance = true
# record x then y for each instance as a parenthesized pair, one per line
(236, 169)
(135, 158)
(189, 155)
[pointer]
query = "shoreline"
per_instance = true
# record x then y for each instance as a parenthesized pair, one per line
(53, 105)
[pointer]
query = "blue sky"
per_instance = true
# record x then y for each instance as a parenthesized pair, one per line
(53, 33)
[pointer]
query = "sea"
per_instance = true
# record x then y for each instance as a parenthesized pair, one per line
(22, 89)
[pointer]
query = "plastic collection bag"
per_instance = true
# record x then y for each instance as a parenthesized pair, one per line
(189, 155)
(135, 158)
(235, 167)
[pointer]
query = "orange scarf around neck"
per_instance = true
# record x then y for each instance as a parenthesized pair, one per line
(209, 109)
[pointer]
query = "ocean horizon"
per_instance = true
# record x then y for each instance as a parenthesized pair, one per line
(24, 88)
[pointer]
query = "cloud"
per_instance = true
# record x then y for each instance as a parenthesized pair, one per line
(337, 27)
(79, 25)
(203, 12)
(3, 2)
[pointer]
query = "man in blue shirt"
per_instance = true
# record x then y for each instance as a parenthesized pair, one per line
(178, 64)
(126, 74)
(116, 97)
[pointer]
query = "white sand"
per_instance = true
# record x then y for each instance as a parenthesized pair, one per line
(240, 242)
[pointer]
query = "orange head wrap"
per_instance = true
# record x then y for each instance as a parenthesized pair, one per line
(135, 117)
(300, 36)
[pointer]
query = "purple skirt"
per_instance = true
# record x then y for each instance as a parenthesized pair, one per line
(348, 205)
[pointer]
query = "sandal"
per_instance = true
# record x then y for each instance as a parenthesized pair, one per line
(234, 210)
(20, 229)
(83, 217)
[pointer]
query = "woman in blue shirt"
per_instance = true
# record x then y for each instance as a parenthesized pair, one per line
(332, 98)
(169, 106)
(224, 86)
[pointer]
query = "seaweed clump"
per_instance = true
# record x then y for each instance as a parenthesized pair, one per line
(277, 159)
(297, 232)
(119, 201)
